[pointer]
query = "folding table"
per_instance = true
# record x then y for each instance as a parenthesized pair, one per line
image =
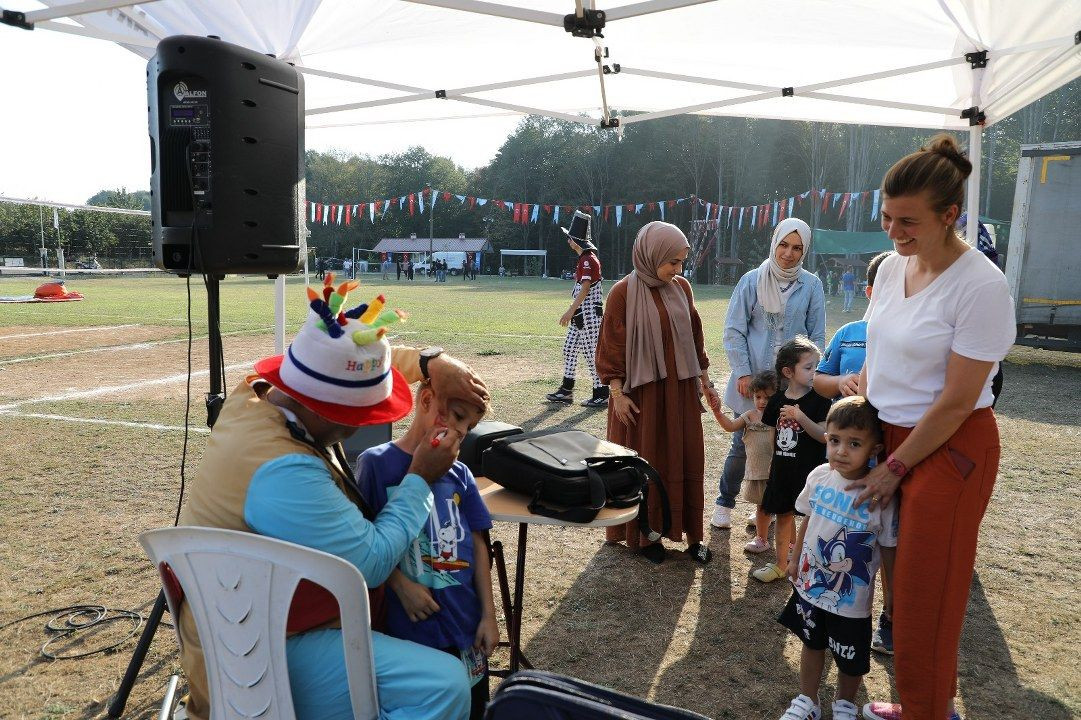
(506, 506)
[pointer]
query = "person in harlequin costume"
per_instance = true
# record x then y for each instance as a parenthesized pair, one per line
(583, 317)
(274, 466)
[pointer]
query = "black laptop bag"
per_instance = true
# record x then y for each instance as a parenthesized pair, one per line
(539, 695)
(572, 476)
(480, 438)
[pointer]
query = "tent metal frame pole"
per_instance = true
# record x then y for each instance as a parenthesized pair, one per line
(97, 34)
(975, 156)
(880, 103)
(649, 7)
(279, 315)
(545, 18)
(80, 8)
(697, 108)
(452, 94)
(1004, 93)
(505, 11)
(624, 70)
(878, 75)
(1064, 41)
(360, 80)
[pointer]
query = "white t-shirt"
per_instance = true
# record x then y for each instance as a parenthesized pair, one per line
(840, 553)
(967, 309)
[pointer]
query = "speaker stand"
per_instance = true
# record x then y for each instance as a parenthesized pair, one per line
(215, 398)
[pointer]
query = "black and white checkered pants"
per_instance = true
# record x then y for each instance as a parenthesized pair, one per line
(583, 341)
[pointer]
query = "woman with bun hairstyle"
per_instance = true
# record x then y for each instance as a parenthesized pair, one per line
(939, 323)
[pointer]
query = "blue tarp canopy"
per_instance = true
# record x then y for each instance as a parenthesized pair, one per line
(842, 242)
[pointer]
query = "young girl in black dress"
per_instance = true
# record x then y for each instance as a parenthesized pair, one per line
(799, 414)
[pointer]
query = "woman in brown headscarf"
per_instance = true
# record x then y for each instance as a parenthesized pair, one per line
(652, 358)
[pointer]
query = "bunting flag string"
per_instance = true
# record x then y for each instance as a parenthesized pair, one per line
(525, 213)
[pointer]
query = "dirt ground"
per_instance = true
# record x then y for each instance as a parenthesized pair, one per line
(75, 491)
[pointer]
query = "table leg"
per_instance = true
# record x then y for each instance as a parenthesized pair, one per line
(504, 582)
(516, 605)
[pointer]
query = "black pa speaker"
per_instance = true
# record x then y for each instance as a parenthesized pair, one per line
(227, 159)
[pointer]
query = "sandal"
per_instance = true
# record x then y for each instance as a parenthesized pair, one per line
(654, 553)
(700, 553)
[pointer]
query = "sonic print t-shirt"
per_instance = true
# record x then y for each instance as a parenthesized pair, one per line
(840, 554)
(440, 556)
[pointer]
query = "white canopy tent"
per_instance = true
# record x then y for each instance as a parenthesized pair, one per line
(950, 64)
(944, 64)
(526, 253)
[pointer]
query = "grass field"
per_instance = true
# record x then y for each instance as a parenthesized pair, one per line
(91, 410)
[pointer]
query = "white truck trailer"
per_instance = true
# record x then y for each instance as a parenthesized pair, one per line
(1043, 262)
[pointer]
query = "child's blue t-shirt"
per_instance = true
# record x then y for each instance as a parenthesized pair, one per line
(441, 556)
(847, 350)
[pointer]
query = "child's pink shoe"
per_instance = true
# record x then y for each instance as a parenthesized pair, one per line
(891, 711)
(758, 545)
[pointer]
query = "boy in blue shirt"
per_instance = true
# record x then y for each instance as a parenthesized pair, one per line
(442, 587)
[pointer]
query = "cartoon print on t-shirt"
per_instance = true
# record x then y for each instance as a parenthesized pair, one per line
(788, 432)
(836, 565)
(433, 555)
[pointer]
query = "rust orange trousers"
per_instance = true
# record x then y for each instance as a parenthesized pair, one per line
(943, 500)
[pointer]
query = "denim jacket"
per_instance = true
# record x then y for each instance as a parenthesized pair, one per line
(748, 341)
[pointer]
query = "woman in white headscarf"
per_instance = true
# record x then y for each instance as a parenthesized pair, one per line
(770, 305)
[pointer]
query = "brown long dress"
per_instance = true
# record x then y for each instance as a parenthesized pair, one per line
(668, 431)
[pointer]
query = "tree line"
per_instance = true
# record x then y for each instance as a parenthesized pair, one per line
(730, 161)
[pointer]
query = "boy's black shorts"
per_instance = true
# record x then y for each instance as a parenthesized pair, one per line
(848, 639)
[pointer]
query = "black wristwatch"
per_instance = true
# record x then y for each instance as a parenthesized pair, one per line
(426, 355)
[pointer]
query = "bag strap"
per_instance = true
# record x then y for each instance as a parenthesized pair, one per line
(651, 476)
(597, 497)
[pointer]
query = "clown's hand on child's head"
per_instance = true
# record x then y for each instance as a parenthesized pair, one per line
(452, 378)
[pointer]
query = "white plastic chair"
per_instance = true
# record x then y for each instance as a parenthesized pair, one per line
(239, 586)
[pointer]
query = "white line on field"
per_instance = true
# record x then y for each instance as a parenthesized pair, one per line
(111, 316)
(132, 346)
(486, 335)
(102, 421)
(71, 330)
(80, 394)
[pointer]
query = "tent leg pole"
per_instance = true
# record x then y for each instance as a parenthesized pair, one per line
(975, 155)
(279, 315)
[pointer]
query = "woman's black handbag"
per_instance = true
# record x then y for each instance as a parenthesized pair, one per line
(576, 473)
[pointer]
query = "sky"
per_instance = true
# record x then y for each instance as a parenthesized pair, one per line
(73, 121)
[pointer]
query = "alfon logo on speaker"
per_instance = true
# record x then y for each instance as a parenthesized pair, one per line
(182, 92)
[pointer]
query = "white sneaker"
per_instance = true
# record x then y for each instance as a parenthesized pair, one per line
(722, 517)
(752, 519)
(844, 710)
(802, 708)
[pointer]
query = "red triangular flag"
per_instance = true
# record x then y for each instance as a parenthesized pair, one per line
(652, 206)
(606, 209)
(517, 213)
(671, 203)
(825, 201)
(844, 204)
(446, 196)
(548, 209)
(412, 202)
(319, 212)
(348, 214)
(472, 202)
